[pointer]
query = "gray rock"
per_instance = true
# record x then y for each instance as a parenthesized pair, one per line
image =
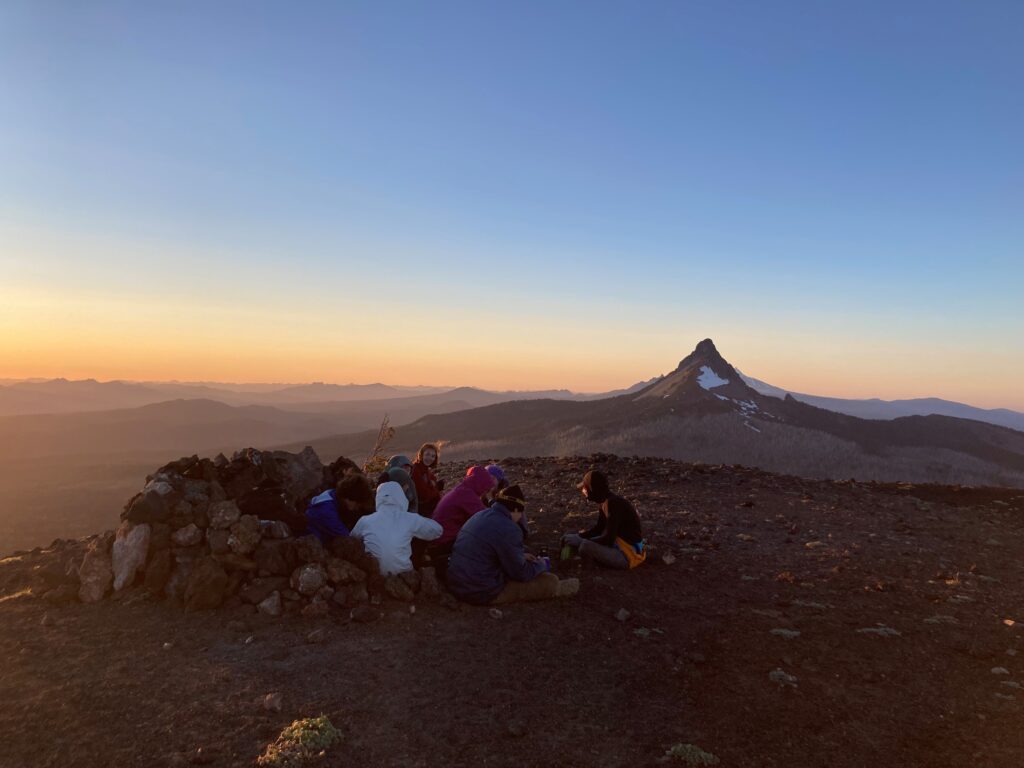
(429, 585)
(396, 587)
(207, 585)
(622, 615)
(159, 537)
(189, 536)
(96, 572)
(149, 507)
(343, 572)
(788, 634)
(309, 578)
(258, 590)
(271, 605)
(309, 549)
(277, 558)
(158, 571)
(275, 529)
(64, 594)
(223, 514)
(412, 579)
(273, 702)
(245, 535)
(217, 540)
(782, 679)
(128, 552)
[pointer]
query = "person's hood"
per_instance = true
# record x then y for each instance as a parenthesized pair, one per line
(390, 496)
(321, 498)
(596, 485)
(399, 461)
(479, 480)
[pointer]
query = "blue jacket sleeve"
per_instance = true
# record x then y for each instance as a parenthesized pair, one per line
(513, 558)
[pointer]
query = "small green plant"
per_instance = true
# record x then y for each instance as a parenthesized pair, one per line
(691, 755)
(301, 743)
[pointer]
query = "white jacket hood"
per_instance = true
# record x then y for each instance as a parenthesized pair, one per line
(391, 497)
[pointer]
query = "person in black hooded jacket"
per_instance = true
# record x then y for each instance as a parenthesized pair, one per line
(615, 540)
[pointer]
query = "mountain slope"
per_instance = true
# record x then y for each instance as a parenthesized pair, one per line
(705, 411)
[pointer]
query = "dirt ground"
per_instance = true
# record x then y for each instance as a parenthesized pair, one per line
(908, 601)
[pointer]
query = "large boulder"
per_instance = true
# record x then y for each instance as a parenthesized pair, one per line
(245, 535)
(96, 572)
(308, 579)
(207, 585)
(128, 553)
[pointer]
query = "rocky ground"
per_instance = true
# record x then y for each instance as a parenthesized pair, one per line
(780, 622)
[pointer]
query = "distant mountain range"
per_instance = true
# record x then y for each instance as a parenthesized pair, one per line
(706, 411)
(893, 409)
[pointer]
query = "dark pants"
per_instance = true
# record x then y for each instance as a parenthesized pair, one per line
(439, 556)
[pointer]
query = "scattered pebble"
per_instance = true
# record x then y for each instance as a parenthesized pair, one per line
(1000, 671)
(495, 613)
(942, 620)
(789, 634)
(273, 702)
(745, 537)
(668, 558)
(1011, 684)
(881, 631)
(782, 679)
(317, 636)
(168, 646)
(516, 729)
(813, 544)
(622, 615)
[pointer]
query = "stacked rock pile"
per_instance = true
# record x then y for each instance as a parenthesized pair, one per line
(204, 533)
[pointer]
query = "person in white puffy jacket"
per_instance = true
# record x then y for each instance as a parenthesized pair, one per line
(387, 534)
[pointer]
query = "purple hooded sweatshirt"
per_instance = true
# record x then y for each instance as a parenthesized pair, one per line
(462, 502)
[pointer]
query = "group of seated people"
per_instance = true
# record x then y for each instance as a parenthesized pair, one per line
(474, 535)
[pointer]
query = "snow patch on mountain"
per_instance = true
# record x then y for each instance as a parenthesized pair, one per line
(708, 379)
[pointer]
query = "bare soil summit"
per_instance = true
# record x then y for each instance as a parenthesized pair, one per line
(779, 621)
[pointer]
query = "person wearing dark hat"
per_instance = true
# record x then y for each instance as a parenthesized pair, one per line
(615, 540)
(488, 564)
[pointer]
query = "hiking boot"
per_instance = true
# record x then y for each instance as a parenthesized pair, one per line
(568, 587)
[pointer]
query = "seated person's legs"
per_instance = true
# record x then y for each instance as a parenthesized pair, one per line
(610, 557)
(543, 587)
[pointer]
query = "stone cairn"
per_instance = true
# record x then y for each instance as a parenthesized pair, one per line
(208, 533)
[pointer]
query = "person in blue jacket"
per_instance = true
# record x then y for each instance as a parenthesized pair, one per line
(488, 564)
(335, 512)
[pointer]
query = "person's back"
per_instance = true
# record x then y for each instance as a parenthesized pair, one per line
(322, 518)
(489, 565)
(462, 502)
(387, 534)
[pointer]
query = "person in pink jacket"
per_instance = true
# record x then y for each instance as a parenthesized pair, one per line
(455, 508)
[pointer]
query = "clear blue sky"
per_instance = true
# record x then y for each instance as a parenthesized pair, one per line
(832, 191)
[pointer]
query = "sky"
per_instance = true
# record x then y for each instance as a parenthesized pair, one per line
(515, 195)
